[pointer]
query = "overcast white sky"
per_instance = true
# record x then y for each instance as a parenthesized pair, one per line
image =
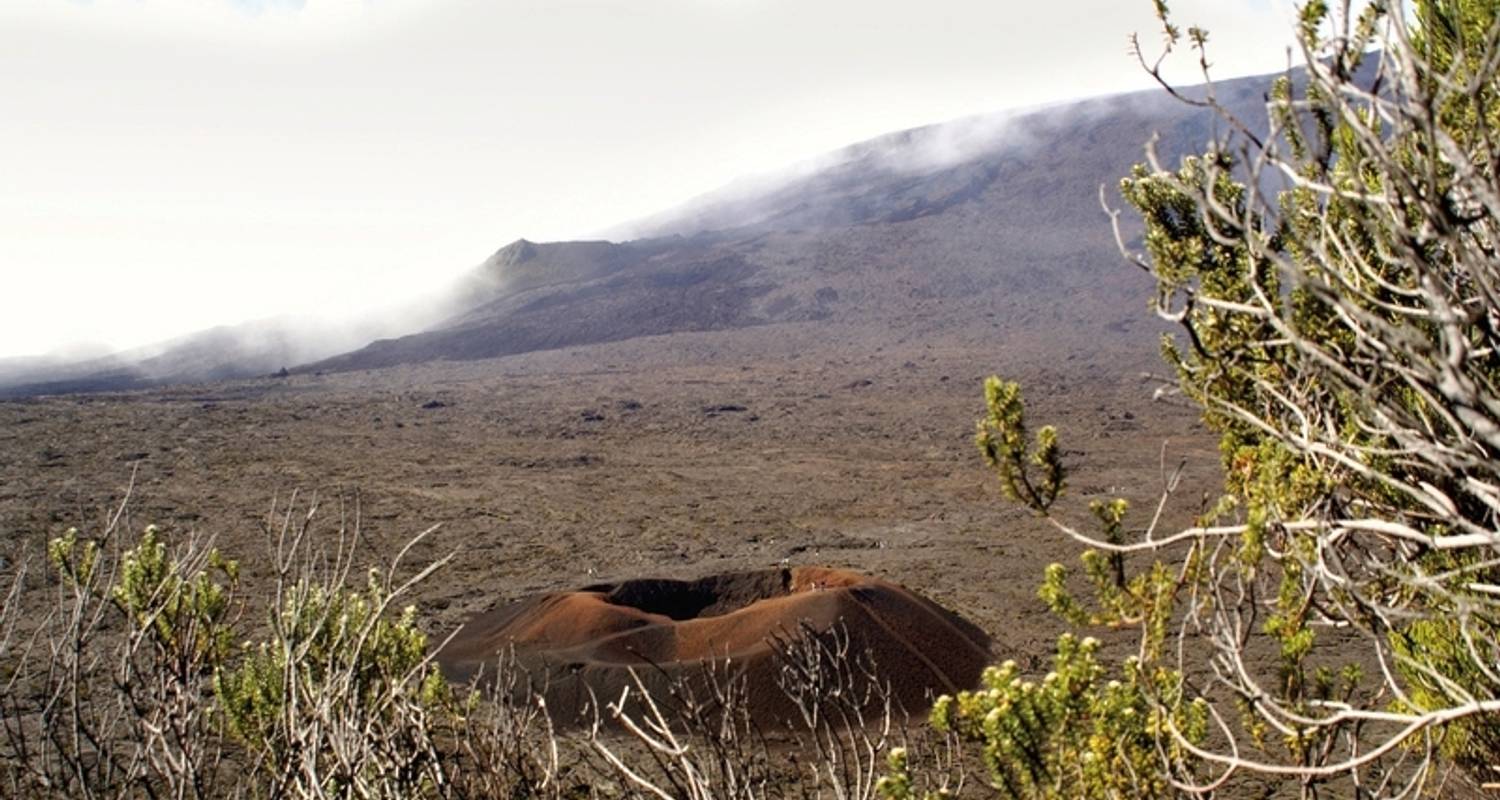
(169, 165)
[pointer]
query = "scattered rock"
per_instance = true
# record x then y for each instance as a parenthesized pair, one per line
(564, 462)
(431, 404)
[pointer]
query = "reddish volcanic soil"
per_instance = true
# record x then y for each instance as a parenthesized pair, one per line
(588, 642)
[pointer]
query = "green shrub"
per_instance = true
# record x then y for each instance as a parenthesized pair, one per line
(342, 699)
(1341, 338)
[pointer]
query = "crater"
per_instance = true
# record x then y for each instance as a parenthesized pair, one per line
(587, 642)
(712, 596)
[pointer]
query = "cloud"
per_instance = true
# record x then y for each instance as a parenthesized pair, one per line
(227, 21)
(261, 6)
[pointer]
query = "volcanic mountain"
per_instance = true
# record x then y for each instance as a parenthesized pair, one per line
(955, 229)
(984, 228)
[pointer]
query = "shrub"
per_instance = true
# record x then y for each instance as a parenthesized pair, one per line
(341, 699)
(1341, 338)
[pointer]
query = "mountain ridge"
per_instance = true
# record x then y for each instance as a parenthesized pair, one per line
(1003, 214)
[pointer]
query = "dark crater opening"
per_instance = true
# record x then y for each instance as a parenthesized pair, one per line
(706, 597)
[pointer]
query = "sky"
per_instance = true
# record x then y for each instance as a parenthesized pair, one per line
(171, 165)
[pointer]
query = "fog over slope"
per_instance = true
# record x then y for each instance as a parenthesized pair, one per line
(856, 183)
(987, 226)
(230, 352)
(984, 227)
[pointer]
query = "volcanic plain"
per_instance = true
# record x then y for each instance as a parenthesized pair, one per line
(677, 456)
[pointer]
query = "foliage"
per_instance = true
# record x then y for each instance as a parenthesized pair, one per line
(1073, 734)
(1002, 439)
(187, 616)
(177, 620)
(337, 675)
(131, 685)
(332, 634)
(1335, 278)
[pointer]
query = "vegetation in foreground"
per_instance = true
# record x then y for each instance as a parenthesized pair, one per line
(1331, 620)
(140, 683)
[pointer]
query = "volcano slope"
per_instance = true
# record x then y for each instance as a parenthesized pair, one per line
(989, 226)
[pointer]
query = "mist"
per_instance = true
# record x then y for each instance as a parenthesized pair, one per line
(819, 185)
